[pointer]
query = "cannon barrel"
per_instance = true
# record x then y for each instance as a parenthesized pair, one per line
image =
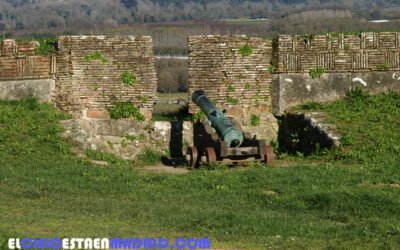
(230, 134)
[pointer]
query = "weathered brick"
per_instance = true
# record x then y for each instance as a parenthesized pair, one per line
(98, 113)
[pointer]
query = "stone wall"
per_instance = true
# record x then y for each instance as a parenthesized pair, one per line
(128, 137)
(370, 61)
(234, 73)
(42, 89)
(18, 61)
(91, 69)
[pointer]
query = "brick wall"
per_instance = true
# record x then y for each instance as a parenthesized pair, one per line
(90, 68)
(239, 83)
(18, 61)
(231, 80)
(368, 51)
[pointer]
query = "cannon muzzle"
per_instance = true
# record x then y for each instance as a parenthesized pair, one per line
(230, 134)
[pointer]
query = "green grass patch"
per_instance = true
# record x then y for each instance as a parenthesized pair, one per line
(149, 157)
(347, 199)
(172, 96)
(170, 112)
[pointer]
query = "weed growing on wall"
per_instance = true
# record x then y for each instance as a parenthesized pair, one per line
(143, 99)
(96, 55)
(255, 120)
(128, 79)
(384, 67)
(125, 110)
(271, 69)
(246, 50)
(198, 116)
(130, 137)
(231, 100)
(317, 72)
(308, 37)
(231, 88)
(46, 46)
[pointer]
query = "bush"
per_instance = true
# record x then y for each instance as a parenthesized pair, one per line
(128, 79)
(125, 110)
(246, 50)
(46, 46)
(317, 72)
(198, 116)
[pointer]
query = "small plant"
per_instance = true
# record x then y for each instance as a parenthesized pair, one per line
(231, 100)
(311, 105)
(128, 79)
(123, 143)
(143, 99)
(317, 72)
(228, 53)
(95, 56)
(96, 86)
(102, 156)
(271, 69)
(46, 47)
(198, 116)
(110, 144)
(246, 50)
(231, 88)
(308, 37)
(130, 137)
(346, 47)
(125, 110)
(149, 157)
(255, 120)
(384, 67)
(357, 95)
(142, 136)
(247, 86)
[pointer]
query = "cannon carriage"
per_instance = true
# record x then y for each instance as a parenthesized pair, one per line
(220, 139)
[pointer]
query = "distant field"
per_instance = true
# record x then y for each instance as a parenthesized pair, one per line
(172, 96)
(245, 21)
(165, 111)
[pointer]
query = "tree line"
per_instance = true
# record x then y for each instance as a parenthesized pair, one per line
(75, 15)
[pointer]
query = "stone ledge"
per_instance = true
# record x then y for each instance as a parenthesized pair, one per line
(306, 133)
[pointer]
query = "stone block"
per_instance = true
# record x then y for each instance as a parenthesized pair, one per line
(98, 114)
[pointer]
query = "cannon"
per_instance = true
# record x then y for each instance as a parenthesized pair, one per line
(221, 139)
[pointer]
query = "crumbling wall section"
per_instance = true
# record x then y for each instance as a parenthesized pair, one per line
(18, 61)
(95, 71)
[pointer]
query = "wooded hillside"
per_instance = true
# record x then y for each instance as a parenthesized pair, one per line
(76, 15)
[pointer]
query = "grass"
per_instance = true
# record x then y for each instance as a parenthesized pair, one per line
(172, 96)
(349, 198)
(170, 112)
(163, 111)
